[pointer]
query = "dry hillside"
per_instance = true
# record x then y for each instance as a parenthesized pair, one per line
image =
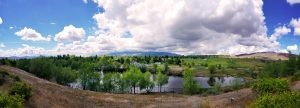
(50, 95)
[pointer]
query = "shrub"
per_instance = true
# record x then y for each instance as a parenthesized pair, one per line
(22, 89)
(270, 85)
(9, 101)
(283, 100)
(296, 76)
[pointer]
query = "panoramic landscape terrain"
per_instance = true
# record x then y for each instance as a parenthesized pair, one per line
(149, 54)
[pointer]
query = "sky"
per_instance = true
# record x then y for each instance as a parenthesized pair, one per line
(188, 27)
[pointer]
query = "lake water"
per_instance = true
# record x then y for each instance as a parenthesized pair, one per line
(175, 83)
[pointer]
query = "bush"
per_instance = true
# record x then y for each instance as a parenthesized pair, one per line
(283, 100)
(8, 101)
(270, 85)
(21, 89)
(296, 76)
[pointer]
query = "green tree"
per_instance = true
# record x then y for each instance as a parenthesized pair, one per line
(146, 82)
(90, 78)
(43, 68)
(133, 77)
(190, 86)
(212, 69)
(291, 64)
(114, 82)
(166, 68)
(161, 79)
(66, 75)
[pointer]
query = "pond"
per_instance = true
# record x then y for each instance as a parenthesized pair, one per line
(175, 83)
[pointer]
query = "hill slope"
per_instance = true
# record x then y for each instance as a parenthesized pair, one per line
(50, 95)
(265, 56)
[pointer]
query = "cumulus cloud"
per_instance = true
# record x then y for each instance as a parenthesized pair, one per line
(2, 45)
(291, 2)
(85, 1)
(280, 31)
(292, 48)
(178, 26)
(1, 21)
(187, 26)
(296, 24)
(70, 33)
(25, 50)
(31, 34)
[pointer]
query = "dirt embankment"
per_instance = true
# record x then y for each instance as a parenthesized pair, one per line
(51, 95)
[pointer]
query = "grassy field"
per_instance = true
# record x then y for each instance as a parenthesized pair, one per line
(224, 66)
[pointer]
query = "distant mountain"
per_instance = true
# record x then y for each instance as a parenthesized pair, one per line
(265, 56)
(141, 53)
(17, 57)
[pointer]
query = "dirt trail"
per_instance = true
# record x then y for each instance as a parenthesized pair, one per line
(51, 95)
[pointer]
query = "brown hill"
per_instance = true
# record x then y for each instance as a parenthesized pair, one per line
(51, 95)
(264, 56)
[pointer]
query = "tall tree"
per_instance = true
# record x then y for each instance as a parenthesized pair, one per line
(133, 77)
(161, 79)
(146, 82)
(190, 86)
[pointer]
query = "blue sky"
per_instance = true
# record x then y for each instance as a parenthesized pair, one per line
(84, 26)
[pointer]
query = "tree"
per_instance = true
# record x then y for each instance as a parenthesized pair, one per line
(166, 68)
(298, 62)
(133, 77)
(90, 79)
(212, 69)
(146, 82)
(66, 75)
(114, 82)
(42, 67)
(291, 64)
(154, 68)
(161, 79)
(190, 86)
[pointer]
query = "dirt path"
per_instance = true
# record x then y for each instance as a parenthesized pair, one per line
(50, 95)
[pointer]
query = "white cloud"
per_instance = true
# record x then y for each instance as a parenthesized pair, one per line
(187, 26)
(296, 24)
(52, 23)
(280, 31)
(2, 45)
(178, 26)
(25, 50)
(85, 1)
(70, 33)
(1, 21)
(293, 48)
(291, 2)
(11, 27)
(31, 34)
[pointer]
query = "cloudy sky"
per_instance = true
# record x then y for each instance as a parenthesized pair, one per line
(89, 27)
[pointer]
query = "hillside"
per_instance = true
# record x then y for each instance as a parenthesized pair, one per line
(264, 56)
(50, 95)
